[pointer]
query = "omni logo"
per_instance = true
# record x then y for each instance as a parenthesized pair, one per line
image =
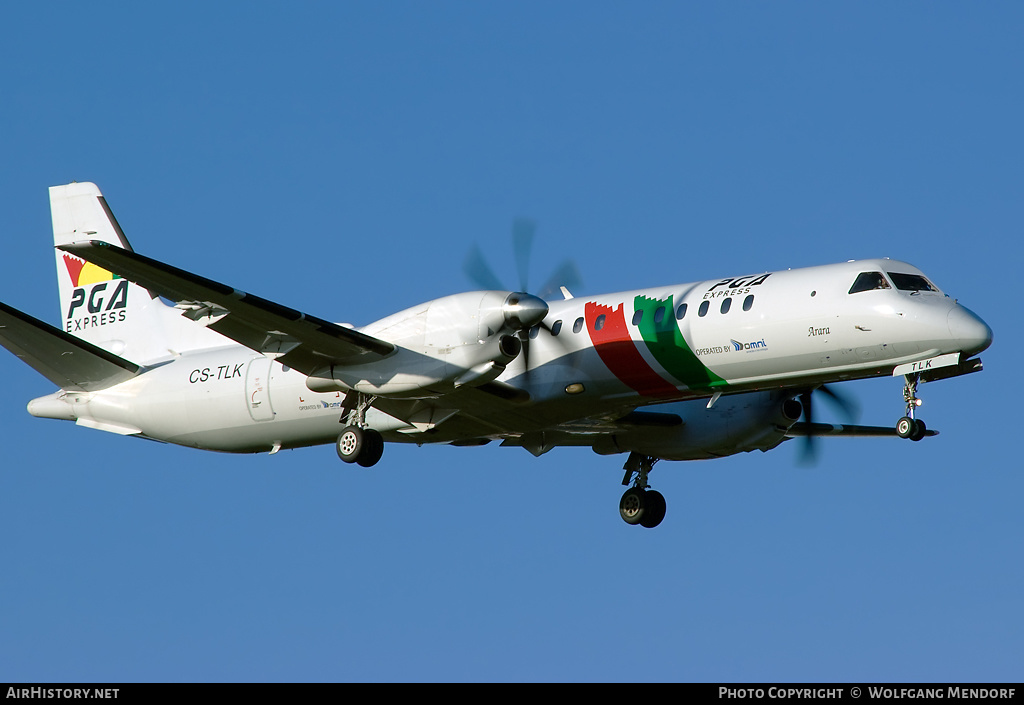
(749, 347)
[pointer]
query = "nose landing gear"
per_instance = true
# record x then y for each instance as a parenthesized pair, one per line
(640, 504)
(909, 426)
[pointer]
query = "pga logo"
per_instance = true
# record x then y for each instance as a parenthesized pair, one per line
(109, 305)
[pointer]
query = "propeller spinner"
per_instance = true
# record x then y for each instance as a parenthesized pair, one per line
(523, 311)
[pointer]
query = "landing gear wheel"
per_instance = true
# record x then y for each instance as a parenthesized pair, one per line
(373, 448)
(655, 509)
(364, 446)
(919, 429)
(351, 443)
(632, 506)
(905, 427)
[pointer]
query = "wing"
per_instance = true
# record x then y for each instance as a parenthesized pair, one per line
(65, 360)
(295, 339)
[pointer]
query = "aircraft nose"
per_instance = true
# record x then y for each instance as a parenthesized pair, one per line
(967, 328)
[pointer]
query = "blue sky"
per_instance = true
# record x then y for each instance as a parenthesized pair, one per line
(341, 158)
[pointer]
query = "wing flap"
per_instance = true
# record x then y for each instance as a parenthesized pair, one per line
(296, 339)
(65, 360)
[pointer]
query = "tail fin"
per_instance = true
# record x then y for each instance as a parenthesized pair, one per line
(98, 306)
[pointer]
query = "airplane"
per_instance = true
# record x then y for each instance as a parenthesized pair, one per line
(681, 372)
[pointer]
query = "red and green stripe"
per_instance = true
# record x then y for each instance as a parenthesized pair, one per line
(663, 339)
(668, 346)
(619, 353)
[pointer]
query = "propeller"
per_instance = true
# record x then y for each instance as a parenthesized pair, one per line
(846, 406)
(479, 272)
(567, 275)
(522, 310)
(523, 232)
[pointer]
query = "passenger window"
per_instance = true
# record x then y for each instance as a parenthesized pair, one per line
(911, 282)
(703, 310)
(726, 304)
(638, 316)
(659, 314)
(867, 281)
(680, 312)
(748, 302)
(578, 325)
(534, 332)
(599, 322)
(556, 327)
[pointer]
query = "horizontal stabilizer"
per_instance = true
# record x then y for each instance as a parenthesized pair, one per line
(65, 360)
(296, 339)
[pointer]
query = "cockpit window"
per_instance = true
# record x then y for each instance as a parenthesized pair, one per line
(866, 281)
(911, 282)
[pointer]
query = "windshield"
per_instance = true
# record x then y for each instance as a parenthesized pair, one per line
(911, 282)
(866, 281)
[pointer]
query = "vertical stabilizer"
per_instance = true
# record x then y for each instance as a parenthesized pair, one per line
(97, 305)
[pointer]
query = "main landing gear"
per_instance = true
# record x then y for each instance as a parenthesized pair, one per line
(909, 426)
(357, 443)
(640, 504)
(364, 446)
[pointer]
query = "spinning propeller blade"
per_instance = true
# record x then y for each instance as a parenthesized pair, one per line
(567, 275)
(846, 406)
(479, 272)
(523, 231)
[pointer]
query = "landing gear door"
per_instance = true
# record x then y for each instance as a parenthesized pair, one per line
(257, 389)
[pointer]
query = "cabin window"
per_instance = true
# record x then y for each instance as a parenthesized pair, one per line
(911, 282)
(638, 316)
(534, 331)
(726, 304)
(868, 281)
(659, 314)
(599, 322)
(578, 325)
(556, 327)
(680, 312)
(703, 310)
(748, 303)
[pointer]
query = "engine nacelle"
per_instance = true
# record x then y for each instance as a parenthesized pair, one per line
(509, 348)
(734, 424)
(460, 340)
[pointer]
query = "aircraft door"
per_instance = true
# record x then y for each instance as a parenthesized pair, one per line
(257, 389)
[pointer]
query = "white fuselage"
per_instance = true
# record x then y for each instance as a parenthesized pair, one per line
(595, 355)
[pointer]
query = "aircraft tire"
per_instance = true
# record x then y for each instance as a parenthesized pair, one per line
(632, 506)
(373, 448)
(905, 427)
(654, 511)
(919, 429)
(350, 444)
